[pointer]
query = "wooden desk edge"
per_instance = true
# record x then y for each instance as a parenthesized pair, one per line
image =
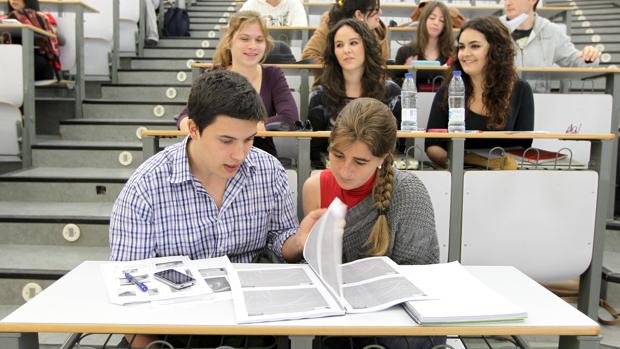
(592, 70)
(29, 26)
(490, 135)
(81, 3)
(265, 329)
(66, 2)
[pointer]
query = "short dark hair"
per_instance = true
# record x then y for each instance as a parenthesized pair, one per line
(223, 92)
(535, 4)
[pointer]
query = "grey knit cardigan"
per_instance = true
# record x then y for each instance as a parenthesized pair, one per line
(413, 239)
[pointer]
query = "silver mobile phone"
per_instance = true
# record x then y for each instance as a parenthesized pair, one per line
(174, 278)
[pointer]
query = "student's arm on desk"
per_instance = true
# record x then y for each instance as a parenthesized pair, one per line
(131, 226)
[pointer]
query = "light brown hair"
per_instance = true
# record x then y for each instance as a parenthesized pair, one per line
(445, 42)
(371, 122)
(222, 56)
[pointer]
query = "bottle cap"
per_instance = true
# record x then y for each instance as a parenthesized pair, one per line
(456, 73)
(408, 75)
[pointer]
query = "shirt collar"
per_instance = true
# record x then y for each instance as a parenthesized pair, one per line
(180, 164)
(181, 171)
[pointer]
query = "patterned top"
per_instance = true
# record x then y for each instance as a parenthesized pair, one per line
(164, 210)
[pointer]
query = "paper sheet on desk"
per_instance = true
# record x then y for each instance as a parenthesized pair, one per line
(462, 297)
(122, 291)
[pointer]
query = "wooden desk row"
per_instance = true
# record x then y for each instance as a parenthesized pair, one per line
(88, 310)
(600, 161)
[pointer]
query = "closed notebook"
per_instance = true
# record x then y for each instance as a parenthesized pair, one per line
(461, 298)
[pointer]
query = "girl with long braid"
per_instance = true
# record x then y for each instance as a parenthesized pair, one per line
(390, 212)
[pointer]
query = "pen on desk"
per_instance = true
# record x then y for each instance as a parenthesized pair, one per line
(135, 281)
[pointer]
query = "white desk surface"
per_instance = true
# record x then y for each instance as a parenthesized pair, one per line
(78, 303)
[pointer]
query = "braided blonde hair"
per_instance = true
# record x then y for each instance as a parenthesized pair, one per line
(371, 122)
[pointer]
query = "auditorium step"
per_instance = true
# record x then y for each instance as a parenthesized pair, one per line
(144, 93)
(112, 109)
(32, 258)
(110, 129)
(57, 190)
(206, 34)
(69, 153)
(187, 43)
(58, 212)
(76, 154)
(162, 64)
(51, 234)
(199, 53)
(155, 78)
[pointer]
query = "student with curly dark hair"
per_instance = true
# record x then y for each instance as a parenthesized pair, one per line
(367, 11)
(434, 42)
(495, 98)
(353, 68)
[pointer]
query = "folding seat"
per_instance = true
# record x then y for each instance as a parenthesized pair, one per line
(11, 98)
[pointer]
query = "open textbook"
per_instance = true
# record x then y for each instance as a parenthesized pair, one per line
(324, 286)
(210, 276)
(472, 301)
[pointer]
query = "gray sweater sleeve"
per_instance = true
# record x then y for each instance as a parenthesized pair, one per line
(413, 239)
(412, 222)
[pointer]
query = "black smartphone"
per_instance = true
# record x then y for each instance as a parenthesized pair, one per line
(174, 278)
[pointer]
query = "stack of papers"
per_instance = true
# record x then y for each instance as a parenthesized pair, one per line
(461, 297)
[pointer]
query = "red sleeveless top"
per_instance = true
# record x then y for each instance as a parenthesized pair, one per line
(331, 190)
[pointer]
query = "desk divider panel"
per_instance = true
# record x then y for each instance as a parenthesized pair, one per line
(556, 113)
(438, 185)
(541, 222)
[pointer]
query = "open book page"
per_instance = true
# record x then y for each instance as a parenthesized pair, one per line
(374, 283)
(471, 301)
(123, 291)
(279, 292)
(323, 248)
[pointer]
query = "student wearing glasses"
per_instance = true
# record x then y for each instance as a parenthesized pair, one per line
(367, 11)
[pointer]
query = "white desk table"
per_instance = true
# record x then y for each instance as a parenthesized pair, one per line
(78, 303)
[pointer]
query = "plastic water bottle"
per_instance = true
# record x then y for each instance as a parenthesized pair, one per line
(409, 104)
(456, 103)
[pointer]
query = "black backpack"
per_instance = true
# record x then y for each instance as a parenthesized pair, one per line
(176, 22)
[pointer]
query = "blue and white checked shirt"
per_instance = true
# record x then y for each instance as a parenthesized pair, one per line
(163, 210)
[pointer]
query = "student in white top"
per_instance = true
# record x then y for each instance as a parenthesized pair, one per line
(279, 12)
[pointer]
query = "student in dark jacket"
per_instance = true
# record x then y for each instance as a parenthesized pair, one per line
(495, 98)
(242, 50)
(434, 42)
(353, 68)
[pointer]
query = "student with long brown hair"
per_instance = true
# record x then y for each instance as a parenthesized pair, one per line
(495, 98)
(353, 68)
(434, 42)
(389, 211)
